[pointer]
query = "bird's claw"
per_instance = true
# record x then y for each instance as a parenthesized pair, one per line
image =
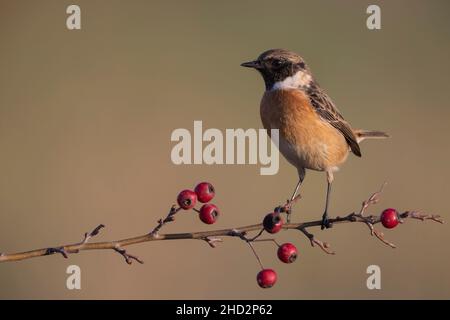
(288, 215)
(325, 222)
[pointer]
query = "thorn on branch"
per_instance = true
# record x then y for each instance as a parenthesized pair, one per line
(128, 257)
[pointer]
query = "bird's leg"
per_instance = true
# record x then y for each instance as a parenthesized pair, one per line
(296, 190)
(301, 175)
(289, 211)
(325, 222)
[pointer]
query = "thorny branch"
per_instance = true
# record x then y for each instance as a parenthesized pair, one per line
(215, 236)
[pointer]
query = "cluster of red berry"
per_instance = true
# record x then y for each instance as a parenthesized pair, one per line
(203, 192)
(272, 223)
(287, 253)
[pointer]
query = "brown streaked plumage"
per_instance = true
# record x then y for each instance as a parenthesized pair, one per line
(313, 133)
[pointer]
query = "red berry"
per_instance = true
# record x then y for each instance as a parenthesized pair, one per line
(287, 253)
(187, 199)
(266, 278)
(273, 222)
(205, 192)
(209, 213)
(389, 218)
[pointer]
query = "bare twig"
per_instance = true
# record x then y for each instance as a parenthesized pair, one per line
(169, 218)
(373, 199)
(215, 236)
(93, 233)
(421, 216)
(212, 241)
(61, 250)
(322, 245)
(370, 220)
(128, 257)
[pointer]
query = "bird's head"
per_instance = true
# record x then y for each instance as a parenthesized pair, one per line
(281, 69)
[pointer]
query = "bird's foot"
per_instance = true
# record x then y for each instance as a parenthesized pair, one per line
(285, 209)
(288, 216)
(325, 222)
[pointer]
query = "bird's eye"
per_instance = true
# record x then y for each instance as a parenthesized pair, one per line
(277, 63)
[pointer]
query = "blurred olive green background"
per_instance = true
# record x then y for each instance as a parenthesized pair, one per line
(85, 124)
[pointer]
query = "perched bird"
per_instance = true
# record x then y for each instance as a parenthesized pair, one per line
(312, 132)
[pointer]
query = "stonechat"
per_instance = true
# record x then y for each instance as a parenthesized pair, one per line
(312, 132)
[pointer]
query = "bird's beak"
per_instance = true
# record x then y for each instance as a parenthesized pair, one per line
(252, 64)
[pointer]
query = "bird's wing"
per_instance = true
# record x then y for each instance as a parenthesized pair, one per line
(328, 112)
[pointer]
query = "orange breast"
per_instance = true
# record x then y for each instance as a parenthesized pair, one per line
(305, 139)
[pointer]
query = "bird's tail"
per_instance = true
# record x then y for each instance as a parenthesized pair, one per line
(370, 134)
